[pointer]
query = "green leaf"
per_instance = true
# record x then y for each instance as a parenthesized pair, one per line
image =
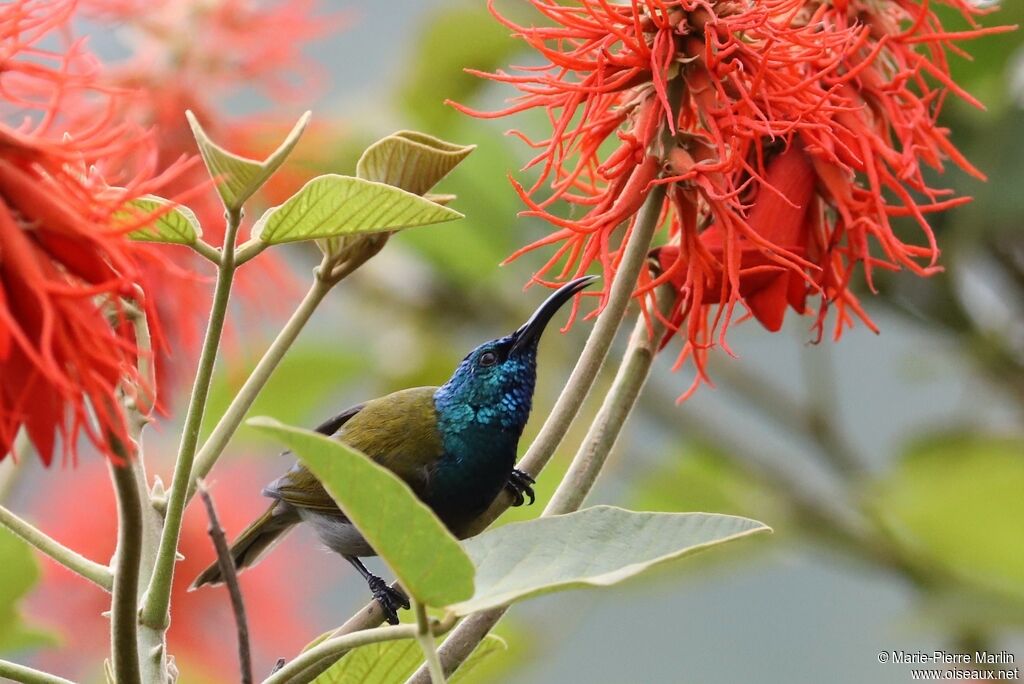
(336, 206)
(955, 499)
(238, 177)
(413, 161)
(172, 224)
(425, 557)
(392, 662)
(597, 546)
(19, 572)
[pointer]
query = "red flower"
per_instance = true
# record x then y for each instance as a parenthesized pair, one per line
(64, 268)
(790, 132)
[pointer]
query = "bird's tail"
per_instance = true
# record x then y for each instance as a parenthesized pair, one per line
(253, 543)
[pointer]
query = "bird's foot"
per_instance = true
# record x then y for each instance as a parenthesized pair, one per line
(389, 598)
(519, 483)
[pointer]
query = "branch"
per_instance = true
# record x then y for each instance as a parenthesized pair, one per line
(28, 675)
(254, 384)
(227, 570)
(158, 595)
(124, 606)
(99, 575)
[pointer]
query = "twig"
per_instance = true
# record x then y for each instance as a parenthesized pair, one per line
(28, 675)
(240, 405)
(158, 595)
(124, 606)
(227, 570)
(99, 575)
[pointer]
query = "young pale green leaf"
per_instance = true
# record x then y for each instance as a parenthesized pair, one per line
(425, 557)
(597, 546)
(393, 662)
(238, 177)
(336, 206)
(413, 161)
(165, 221)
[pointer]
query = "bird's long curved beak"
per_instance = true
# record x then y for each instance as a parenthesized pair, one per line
(531, 331)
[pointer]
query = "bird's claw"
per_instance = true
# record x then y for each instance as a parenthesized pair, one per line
(519, 483)
(389, 598)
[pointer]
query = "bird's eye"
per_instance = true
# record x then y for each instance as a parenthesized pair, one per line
(488, 358)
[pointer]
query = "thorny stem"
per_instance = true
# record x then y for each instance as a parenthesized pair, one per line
(240, 405)
(600, 438)
(158, 595)
(299, 670)
(227, 569)
(99, 575)
(124, 606)
(28, 675)
(426, 640)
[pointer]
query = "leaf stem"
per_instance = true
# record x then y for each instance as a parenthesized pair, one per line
(124, 606)
(158, 595)
(99, 575)
(227, 570)
(426, 639)
(28, 675)
(243, 401)
(206, 250)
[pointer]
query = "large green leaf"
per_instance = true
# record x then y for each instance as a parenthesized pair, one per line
(956, 499)
(18, 574)
(597, 546)
(412, 161)
(425, 557)
(164, 221)
(238, 177)
(335, 206)
(392, 662)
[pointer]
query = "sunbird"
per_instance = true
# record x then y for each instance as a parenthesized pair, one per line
(454, 445)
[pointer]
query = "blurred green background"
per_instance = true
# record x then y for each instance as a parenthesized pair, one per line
(891, 466)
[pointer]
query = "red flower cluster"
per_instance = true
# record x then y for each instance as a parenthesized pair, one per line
(790, 134)
(65, 268)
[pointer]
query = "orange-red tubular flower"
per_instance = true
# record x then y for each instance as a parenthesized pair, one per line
(790, 133)
(65, 346)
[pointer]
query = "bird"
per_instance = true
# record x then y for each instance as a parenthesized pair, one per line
(454, 445)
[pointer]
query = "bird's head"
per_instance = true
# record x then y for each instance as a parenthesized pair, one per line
(494, 384)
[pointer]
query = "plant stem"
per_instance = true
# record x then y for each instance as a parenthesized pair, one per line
(28, 675)
(426, 640)
(617, 405)
(99, 575)
(227, 569)
(158, 595)
(240, 405)
(124, 606)
(298, 671)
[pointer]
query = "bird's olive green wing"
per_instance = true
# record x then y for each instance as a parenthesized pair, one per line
(398, 431)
